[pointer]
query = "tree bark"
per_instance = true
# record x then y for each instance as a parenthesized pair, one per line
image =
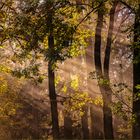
(67, 126)
(103, 73)
(68, 122)
(96, 124)
(97, 55)
(136, 76)
(53, 100)
(84, 120)
(97, 46)
(107, 94)
(51, 80)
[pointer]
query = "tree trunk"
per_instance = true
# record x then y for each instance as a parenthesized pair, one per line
(97, 47)
(53, 100)
(104, 74)
(84, 119)
(96, 124)
(51, 81)
(68, 129)
(67, 126)
(36, 132)
(136, 77)
(97, 58)
(107, 94)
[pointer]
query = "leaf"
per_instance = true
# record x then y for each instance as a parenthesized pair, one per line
(137, 87)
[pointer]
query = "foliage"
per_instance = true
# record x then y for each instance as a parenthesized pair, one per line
(16, 119)
(28, 33)
(9, 95)
(74, 98)
(4, 69)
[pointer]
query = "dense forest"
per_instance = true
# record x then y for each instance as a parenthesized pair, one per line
(69, 69)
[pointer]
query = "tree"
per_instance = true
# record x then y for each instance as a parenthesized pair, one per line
(103, 73)
(136, 75)
(107, 95)
(135, 9)
(51, 75)
(9, 95)
(97, 48)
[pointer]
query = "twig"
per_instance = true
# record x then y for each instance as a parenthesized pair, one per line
(88, 15)
(127, 5)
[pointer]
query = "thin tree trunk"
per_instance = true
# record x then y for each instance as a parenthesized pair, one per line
(53, 100)
(84, 88)
(36, 132)
(107, 95)
(68, 129)
(84, 119)
(97, 47)
(136, 77)
(97, 54)
(96, 124)
(51, 81)
(67, 126)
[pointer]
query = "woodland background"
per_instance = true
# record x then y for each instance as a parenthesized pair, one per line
(69, 69)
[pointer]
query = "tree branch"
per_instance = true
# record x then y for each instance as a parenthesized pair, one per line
(88, 14)
(127, 5)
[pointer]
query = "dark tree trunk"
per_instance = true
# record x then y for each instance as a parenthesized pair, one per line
(97, 47)
(96, 127)
(109, 41)
(68, 129)
(84, 119)
(67, 126)
(36, 132)
(51, 81)
(107, 94)
(108, 126)
(104, 74)
(136, 76)
(53, 100)
(97, 56)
